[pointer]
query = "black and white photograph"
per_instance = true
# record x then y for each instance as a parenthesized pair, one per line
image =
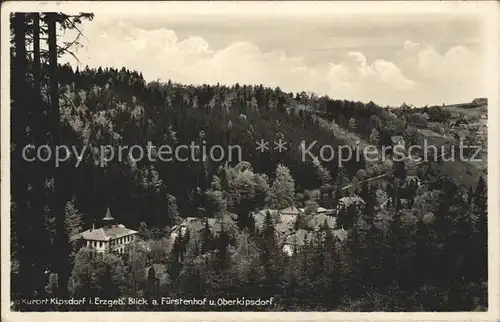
(249, 157)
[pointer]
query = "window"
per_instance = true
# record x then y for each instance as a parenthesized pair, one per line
(100, 244)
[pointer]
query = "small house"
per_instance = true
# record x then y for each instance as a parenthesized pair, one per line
(296, 241)
(325, 211)
(191, 224)
(260, 216)
(317, 222)
(339, 235)
(290, 214)
(283, 228)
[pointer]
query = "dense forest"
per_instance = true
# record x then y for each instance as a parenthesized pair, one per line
(410, 247)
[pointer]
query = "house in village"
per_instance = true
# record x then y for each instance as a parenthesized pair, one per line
(321, 210)
(286, 217)
(300, 238)
(325, 211)
(346, 202)
(260, 216)
(317, 224)
(196, 224)
(318, 221)
(295, 241)
(284, 220)
(227, 223)
(283, 229)
(289, 215)
(190, 224)
(110, 237)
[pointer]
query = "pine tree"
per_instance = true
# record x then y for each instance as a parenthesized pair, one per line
(283, 188)
(396, 248)
(331, 269)
(269, 255)
(368, 195)
(399, 169)
(222, 242)
(206, 238)
(324, 176)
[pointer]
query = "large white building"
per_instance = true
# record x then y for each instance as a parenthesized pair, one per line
(110, 237)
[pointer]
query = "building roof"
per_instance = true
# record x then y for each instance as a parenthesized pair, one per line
(193, 223)
(263, 212)
(260, 216)
(299, 238)
(320, 210)
(283, 227)
(196, 224)
(292, 210)
(347, 201)
(105, 234)
(318, 221)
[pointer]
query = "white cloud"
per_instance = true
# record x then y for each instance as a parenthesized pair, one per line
(410, 44)
(419, 74)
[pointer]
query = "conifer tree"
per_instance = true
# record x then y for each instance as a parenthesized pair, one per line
(283, 188)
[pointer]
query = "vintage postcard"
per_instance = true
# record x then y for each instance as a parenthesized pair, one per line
(250, 160)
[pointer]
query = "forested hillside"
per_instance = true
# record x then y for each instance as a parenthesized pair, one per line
(417, 244)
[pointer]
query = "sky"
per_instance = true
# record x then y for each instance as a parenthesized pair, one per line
(419, 59)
